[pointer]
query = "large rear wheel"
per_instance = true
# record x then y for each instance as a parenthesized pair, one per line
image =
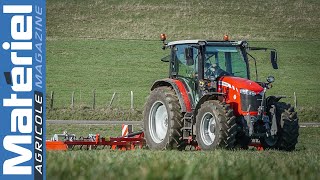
(215, 126)
(162, 119)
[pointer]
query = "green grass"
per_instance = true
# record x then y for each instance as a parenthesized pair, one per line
(304, 163)
(105, 65)
(90, 46)
(97, 114)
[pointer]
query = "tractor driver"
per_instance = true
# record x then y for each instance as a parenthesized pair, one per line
(213, 70)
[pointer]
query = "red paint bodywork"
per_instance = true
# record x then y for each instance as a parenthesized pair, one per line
(231, 87)
(184, 94)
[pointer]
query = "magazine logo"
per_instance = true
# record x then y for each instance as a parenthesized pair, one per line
(20, 79)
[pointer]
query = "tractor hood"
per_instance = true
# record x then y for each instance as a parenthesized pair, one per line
(237, 83)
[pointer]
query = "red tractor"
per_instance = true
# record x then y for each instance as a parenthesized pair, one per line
(209, 100)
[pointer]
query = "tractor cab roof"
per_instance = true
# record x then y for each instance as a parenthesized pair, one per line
(208, 42)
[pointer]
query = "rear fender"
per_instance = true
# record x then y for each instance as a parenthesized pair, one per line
(181, 92)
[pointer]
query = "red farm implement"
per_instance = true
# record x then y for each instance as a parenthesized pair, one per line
(67, 141)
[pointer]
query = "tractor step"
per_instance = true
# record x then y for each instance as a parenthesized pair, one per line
(187, 126)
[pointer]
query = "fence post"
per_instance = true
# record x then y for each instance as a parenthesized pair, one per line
(112, 98)
(295, 100)
(80, 102)
(72, 100)
(94, 99)
(51, 100)
(131, 100)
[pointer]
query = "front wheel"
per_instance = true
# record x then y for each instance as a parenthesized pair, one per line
(288, 129)
(215, 126)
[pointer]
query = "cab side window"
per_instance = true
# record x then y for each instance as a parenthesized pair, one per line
(182, 68)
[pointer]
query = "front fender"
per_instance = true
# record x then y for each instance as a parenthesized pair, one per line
(208, 96)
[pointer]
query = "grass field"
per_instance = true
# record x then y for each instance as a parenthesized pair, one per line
(304, 163)
(112, 46)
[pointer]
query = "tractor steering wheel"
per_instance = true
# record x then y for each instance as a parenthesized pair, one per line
(216, 71)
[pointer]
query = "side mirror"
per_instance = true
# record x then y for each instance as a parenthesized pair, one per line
(274, 59)
(166, 58)
(188, 54)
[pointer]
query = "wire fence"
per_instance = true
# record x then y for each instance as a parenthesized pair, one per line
(93, 99)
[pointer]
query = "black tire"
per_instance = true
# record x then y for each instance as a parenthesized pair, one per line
(242, 140)
(288, 128)
(225, 127)
(172, 139)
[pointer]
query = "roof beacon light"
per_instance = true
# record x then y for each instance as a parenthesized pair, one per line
(163, 37)
(226, 37)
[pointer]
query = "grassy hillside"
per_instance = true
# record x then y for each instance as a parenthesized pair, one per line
(88, 48)
(146, 19)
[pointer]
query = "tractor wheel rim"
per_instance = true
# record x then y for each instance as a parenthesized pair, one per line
(158, 122)
(207, 128)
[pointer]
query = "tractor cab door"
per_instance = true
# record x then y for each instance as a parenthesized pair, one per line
(186, 68)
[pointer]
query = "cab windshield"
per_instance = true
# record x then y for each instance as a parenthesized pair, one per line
(229, 59)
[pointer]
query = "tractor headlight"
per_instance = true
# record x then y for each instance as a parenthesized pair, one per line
(247, 92)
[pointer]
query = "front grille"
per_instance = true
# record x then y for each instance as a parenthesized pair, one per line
(253, 101)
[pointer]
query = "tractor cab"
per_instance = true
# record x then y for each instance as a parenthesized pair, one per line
(196, 61)
(209, 100)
